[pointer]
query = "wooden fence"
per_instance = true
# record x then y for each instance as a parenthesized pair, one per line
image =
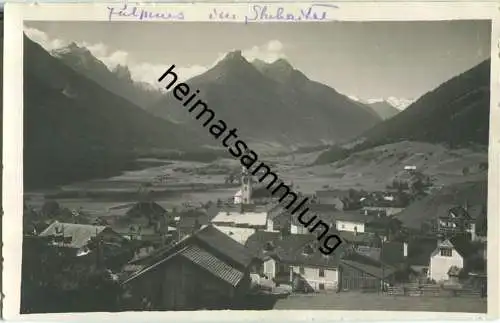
(429, 290)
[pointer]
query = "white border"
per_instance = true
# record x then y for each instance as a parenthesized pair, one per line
(15, 13)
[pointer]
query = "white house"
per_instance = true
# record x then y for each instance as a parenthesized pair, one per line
(350, 225)
(318, 278)
(295, 259)
(448, 253)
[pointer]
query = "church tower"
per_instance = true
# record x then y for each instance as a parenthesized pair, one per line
(246, 186)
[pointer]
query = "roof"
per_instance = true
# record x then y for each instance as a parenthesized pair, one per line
(144, 208)
(330, 215)
(238, 234)
(368, 251)
(207, 247)
(80, 233)
(293, 249)
(226, 247)
(352, 216)
(211, 263)
(237, 218)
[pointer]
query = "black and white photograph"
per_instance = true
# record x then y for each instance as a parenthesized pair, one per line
(210, 165)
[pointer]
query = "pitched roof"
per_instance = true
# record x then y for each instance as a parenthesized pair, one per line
(211, 263)
(216, 241)
(220, 247)
(79, 234)
(238, 218)
(294, 249)
(144, 208)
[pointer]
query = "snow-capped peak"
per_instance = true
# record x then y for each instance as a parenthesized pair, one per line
(398, 103)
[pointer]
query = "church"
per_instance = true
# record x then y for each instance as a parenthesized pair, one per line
(243, 218)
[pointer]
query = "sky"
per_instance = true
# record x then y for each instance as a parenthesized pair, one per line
(368, 61)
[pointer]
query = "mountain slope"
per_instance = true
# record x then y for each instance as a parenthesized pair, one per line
(272, 103)
(75, 129)
(455, 114)
(384, 109)
(474, 193)
(118, 81)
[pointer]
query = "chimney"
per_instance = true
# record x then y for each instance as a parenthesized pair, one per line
(466, 205)
(405, 249)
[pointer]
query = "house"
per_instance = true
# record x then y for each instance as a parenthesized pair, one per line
(206, 270)
(453, 220)
(76, 238)
(453, 252)
(350, 221)
(296, 259)
(254, 220)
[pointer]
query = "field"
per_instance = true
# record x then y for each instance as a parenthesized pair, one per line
(376, 302)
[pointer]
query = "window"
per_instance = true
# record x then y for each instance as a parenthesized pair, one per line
(321, 272)
(446, 252)
(343, 226)
(302, 270)
(321, 286)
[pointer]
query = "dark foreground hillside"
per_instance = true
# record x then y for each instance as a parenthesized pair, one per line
(74, 129)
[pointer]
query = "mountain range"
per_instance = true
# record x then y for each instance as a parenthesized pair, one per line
(75, 129)
(384, 109)
(271, 91)
(272, 103)
(118, 81)
(456, 114)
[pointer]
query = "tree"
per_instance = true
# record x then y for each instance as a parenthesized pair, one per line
(51, 208)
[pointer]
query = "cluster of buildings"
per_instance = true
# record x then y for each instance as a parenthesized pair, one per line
(247, 254)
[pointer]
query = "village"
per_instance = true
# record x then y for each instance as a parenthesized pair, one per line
(248, 252)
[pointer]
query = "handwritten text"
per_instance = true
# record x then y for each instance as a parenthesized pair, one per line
(315, 12)
(217, 14)
(142, 14)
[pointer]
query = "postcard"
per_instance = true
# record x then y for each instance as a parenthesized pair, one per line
(250, 161)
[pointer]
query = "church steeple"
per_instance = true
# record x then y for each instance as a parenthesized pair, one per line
(246, 186)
